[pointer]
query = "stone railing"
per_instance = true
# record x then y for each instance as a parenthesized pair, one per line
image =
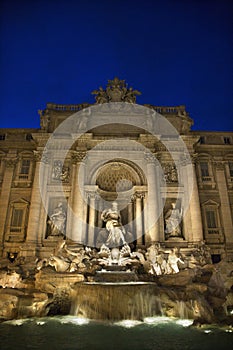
(58, 107)
(168, 110)
(77, 107)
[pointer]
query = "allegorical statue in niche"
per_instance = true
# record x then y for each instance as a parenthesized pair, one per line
(57, 221)
(172, 222)
(116, 232)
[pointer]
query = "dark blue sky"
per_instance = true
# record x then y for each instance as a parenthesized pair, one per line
(173, 51)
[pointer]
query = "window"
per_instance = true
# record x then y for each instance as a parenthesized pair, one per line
(202, 139)
(211, 219)
(23, 175)
(28, 137)
(216, 258)
(204, 169)
(227, 140)
(230, 164)
(25, 166)
(2, 137)
(16, 220)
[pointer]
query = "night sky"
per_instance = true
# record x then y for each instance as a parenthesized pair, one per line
(174, 51)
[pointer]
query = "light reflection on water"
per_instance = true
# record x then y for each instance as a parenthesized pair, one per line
(75, 333)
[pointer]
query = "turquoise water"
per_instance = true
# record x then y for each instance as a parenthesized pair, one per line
(72, 333)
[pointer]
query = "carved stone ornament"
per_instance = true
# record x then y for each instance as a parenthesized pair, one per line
(60, 172)
(10, 163)
(116, 91)
(170, 173)
(138, 195)
(150, 158)
(219, 165)
(78, 156)
(41, 157)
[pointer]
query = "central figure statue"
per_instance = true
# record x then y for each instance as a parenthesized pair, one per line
(112, 217)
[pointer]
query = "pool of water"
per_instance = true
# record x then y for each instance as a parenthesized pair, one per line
(73, 333)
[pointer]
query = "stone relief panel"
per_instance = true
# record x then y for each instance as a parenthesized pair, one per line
(170, 173)
(60, 172)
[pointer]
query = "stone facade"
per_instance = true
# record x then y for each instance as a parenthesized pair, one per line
(56, 180)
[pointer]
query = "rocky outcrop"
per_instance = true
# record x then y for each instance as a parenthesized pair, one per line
(204, 294)
(15, 303)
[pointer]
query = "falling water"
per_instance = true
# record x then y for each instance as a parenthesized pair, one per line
(116, 301)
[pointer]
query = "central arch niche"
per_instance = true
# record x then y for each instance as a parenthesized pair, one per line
(122, 181)
(116, 177)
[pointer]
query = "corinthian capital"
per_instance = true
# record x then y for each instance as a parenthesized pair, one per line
(77, 157)
(11, 162)
(219, 165)
(149, 157)
(41, 156)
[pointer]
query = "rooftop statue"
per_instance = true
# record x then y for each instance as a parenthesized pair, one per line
(116, 91)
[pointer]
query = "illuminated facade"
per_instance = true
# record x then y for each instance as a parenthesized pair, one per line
(128, 175)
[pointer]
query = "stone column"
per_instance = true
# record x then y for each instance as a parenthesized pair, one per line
(5, 193)
(152, 218)
(33, 234)
(44, 213)
(130, 216)
(91, 221)
(225, 203)
(138, 219)
(85, 220)
(193, 232)
(78, 221)
(100, 209)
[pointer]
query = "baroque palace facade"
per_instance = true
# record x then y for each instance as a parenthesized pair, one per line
(56, 181)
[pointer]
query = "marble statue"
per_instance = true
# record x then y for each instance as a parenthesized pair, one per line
(44, 119)
(101, 95)
(172, 262)
(116, 232)
(59, 264)
(57, 221)
(172, 222)
(115, 256)
(130, 95)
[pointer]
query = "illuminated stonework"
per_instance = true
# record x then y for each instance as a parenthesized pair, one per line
(130, 177)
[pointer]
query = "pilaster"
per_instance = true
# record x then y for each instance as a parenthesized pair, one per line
(5, 193)
(225, 203)
(192, 219)
(152, 219)
(77, 217)
(34, 236)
